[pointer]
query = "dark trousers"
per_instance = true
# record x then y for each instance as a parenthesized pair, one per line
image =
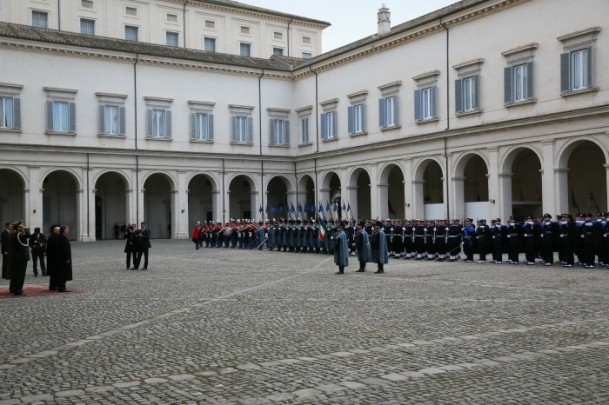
(18, 278)
(138, 259)
(129, 254)
(35, 256)
(4, 265)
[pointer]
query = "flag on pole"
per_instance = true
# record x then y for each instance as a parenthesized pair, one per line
(335, 206)
(327, 206)
(321, 207)
(260, 210)
(299, 208)
(323, 229)
(348, 207)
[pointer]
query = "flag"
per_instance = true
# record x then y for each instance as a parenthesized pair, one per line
(267, 210)
(322, 228)
(344, 207)
(335, 206)
(327, 206)
(299, 208)
(348, 207)
(321, 207)
(292, 209)
(274, 211)
(260, 210)
(281, 208)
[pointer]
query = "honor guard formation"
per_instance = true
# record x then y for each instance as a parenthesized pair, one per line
(583, 240)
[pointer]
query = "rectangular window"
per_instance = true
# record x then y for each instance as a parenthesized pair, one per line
(242, 129)
(111, 120)
(304, 130)
(131, 11)
(425, 103)
(328, 125)
(173, 18)
(278, 35)
(576, 70)
(210, 24)
(466, 94)
(159, 123)
(201, 126)
(306, 40)
(356, 116)
(10, 113)
(61, 116)
(307, 55)
(40, 19)
(87, 26)
(245, 49)
(280, 132)
(131, 33)
(171, 38)
(278, 51)
(388, 112)
(87, 3)
(209, 44)
(518, 83)
(245, 30)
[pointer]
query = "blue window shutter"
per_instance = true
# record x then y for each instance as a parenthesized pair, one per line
(324, 126)
(476, 94)
(458, 96)
(530, 81)
(102, 120)
(72, 117)
(168, 124)
(565, 76)
(16, 113)
(417, 105)
(210, 123)
(434, 103)
(149, 122)
(350, 119)
(250, 130)
(383, 112)
(507, 85)
(122, 117)
(49, 115)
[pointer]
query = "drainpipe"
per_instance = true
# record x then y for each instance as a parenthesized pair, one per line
(316, 133)
(260, 140)
(137, 155)
(447, 120)
(223, 192)
(184, 21)
(59, 15)
(88, 196)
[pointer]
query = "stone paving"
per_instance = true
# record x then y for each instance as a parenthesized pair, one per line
(223, 326)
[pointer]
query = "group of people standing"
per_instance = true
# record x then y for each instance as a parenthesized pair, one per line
(137, 245)
(19, 246)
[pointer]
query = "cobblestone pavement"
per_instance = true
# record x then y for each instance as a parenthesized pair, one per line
(223, 326)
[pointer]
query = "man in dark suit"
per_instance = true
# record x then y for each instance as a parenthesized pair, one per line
(4, 246)
(144, 236)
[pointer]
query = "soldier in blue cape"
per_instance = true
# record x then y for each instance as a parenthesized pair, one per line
(362, 244)
(341, 249)
(378, 244)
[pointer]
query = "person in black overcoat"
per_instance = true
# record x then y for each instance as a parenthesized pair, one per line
(59, 259)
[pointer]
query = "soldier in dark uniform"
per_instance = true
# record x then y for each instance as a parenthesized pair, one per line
(567, 239)
(600, 231)
(548, 233)
(419, 239)
(513, 237)
(408, 240)
(497, 238)
(482, 240)
(441, 240)
(430, 240)
(587, 237)
(529, 235)
(453, 243)
(18, 256)
(469, 236)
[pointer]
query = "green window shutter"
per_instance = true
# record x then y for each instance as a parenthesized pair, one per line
(210, 124)
(16, 113)
(72, 117)
(565, 74)
(459, 96)
(122, 117)
(49, 116)
(102, 119)
(417, 106)
(507, 85)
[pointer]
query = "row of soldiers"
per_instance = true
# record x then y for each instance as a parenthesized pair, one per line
(584, 238)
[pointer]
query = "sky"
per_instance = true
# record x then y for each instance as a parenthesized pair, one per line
(351, 19)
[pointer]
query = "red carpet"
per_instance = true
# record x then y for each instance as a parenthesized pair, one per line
(35, 290)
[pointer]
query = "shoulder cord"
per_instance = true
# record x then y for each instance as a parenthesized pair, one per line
(19, 239)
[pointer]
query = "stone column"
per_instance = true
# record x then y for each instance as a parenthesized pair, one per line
(561, 191)
(547, 177)
(504, 198)
(182, 231)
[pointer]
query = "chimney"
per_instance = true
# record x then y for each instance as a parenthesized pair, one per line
(384, 20)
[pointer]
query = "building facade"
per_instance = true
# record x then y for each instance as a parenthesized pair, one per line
(423, 120)
(211, 25)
